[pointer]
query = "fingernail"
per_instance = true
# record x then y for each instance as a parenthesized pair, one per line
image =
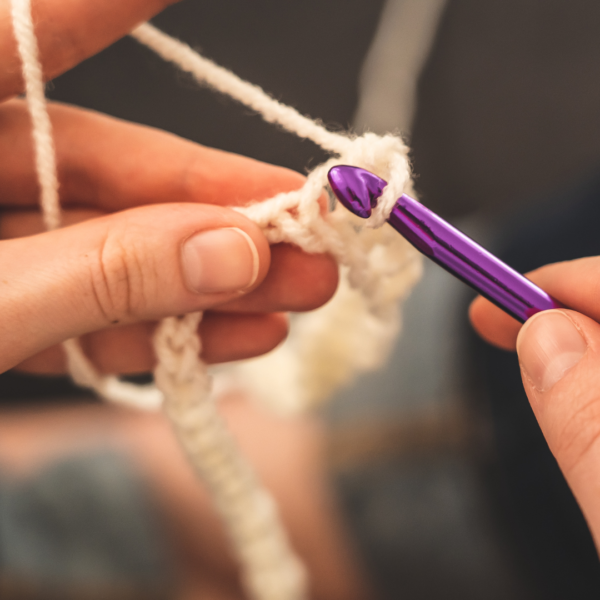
(549, 345)
(219, 260)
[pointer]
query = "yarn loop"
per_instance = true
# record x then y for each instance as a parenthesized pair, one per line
(378, 270)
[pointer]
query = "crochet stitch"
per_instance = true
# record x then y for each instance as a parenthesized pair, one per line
(352, 333)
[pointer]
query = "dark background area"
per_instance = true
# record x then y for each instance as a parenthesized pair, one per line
(508, 103)
(307, 54)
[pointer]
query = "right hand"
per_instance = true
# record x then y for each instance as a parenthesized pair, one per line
(559, 354)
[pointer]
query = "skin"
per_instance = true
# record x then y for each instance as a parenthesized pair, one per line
(141, 193)
(568, 411)
(131, 199)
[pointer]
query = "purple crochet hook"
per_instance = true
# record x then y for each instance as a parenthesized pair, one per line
(358, 190)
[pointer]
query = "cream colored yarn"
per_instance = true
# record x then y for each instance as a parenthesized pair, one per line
(352, 333)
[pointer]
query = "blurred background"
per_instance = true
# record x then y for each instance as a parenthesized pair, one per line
(445, 484)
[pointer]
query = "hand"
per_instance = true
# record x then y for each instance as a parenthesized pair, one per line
(559, 353)
(150, 231)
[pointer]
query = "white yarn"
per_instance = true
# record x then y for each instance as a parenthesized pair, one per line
(379, 268)
(45, 157)
(388, 153)
(45, 163)
(227, 83)
(272, 572)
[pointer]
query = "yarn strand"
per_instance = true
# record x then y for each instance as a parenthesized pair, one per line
(45, 155)
(206, 71)
(272, 571)
(379, 270)
(46, 170)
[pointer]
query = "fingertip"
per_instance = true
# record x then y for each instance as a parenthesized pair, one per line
(494, 325)
(282, 321)
(475, 312)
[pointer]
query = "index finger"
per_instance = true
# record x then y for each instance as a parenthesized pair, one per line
(575, 283)
(110, 165)
(69, 31)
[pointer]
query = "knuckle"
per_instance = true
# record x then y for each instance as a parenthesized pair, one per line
(117, 280)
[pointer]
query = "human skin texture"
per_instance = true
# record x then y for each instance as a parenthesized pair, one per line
(559, 354)
(150, 232)
(136, 201)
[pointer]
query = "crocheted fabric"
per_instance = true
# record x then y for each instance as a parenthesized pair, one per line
(326, 348)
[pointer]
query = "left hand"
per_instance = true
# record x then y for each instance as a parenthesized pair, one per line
(142, 193)
(150, 190)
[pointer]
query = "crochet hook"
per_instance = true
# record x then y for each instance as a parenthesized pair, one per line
(358, 190)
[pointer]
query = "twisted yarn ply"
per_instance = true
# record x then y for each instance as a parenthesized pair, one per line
(352, 333)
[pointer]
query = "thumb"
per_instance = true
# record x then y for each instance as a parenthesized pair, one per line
(559, 353)
(141, 264)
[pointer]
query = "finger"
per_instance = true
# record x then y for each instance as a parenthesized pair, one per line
(22, 223)
(128, 165)
(235, 337)
(559, 352)
(141, 264)
(128, 349)
(574, 283)
(68, 32)
(493, 324)
(296, 281)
